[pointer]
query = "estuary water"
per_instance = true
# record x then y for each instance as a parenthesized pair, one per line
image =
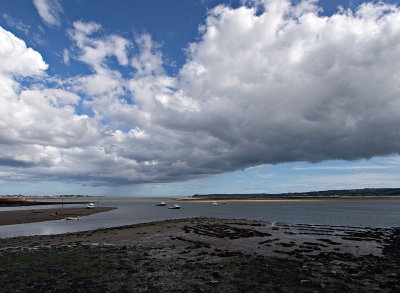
(360, 212)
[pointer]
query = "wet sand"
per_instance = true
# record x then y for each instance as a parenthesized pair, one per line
(197, 235)
(41, 215)
(207, 254)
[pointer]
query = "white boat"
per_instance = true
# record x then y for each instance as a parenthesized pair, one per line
(72, 218)
(162, 204)
(214, 203)
(90, 205)
(175, 207)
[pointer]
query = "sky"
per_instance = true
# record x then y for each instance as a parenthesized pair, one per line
(175, 98)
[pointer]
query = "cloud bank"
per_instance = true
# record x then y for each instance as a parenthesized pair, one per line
(284, 85)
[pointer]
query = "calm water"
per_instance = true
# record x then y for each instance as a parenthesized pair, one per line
(373, 213)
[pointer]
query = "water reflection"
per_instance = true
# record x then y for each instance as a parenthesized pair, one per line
(374, 213)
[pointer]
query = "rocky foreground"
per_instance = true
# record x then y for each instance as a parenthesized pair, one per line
(205, 255)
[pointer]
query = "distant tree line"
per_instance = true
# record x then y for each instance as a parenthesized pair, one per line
(325, 193)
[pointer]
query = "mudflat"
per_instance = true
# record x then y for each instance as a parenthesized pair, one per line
(206, 255)
(40, 215)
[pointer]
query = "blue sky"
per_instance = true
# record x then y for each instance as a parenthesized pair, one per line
(174, 98)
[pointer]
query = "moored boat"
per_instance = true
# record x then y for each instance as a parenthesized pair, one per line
(72, 218)
(175, 207)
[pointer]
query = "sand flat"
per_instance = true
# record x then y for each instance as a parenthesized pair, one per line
(205, 255)
(41, 215)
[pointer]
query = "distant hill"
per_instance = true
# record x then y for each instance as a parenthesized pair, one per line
(325, 193)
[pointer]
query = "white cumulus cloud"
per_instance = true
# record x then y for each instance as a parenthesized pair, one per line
(260, 86)
(35, 124)
(16, 58)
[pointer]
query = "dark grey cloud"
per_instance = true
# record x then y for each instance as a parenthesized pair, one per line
(282, 86)
(15, 163)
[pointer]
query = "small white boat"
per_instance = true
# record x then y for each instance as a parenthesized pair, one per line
(72, 218)
(175, 207)
(90, 205)
(214, 203)
(162, 204)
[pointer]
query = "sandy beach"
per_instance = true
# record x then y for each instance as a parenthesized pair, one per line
(284, 199)
(40, 215)
(207, 254)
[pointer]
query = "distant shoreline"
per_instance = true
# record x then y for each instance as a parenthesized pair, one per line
(11, 201)
(283, 198)
(334, 193)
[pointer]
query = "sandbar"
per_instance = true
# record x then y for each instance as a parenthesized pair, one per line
(41, 215)
(284, 199)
